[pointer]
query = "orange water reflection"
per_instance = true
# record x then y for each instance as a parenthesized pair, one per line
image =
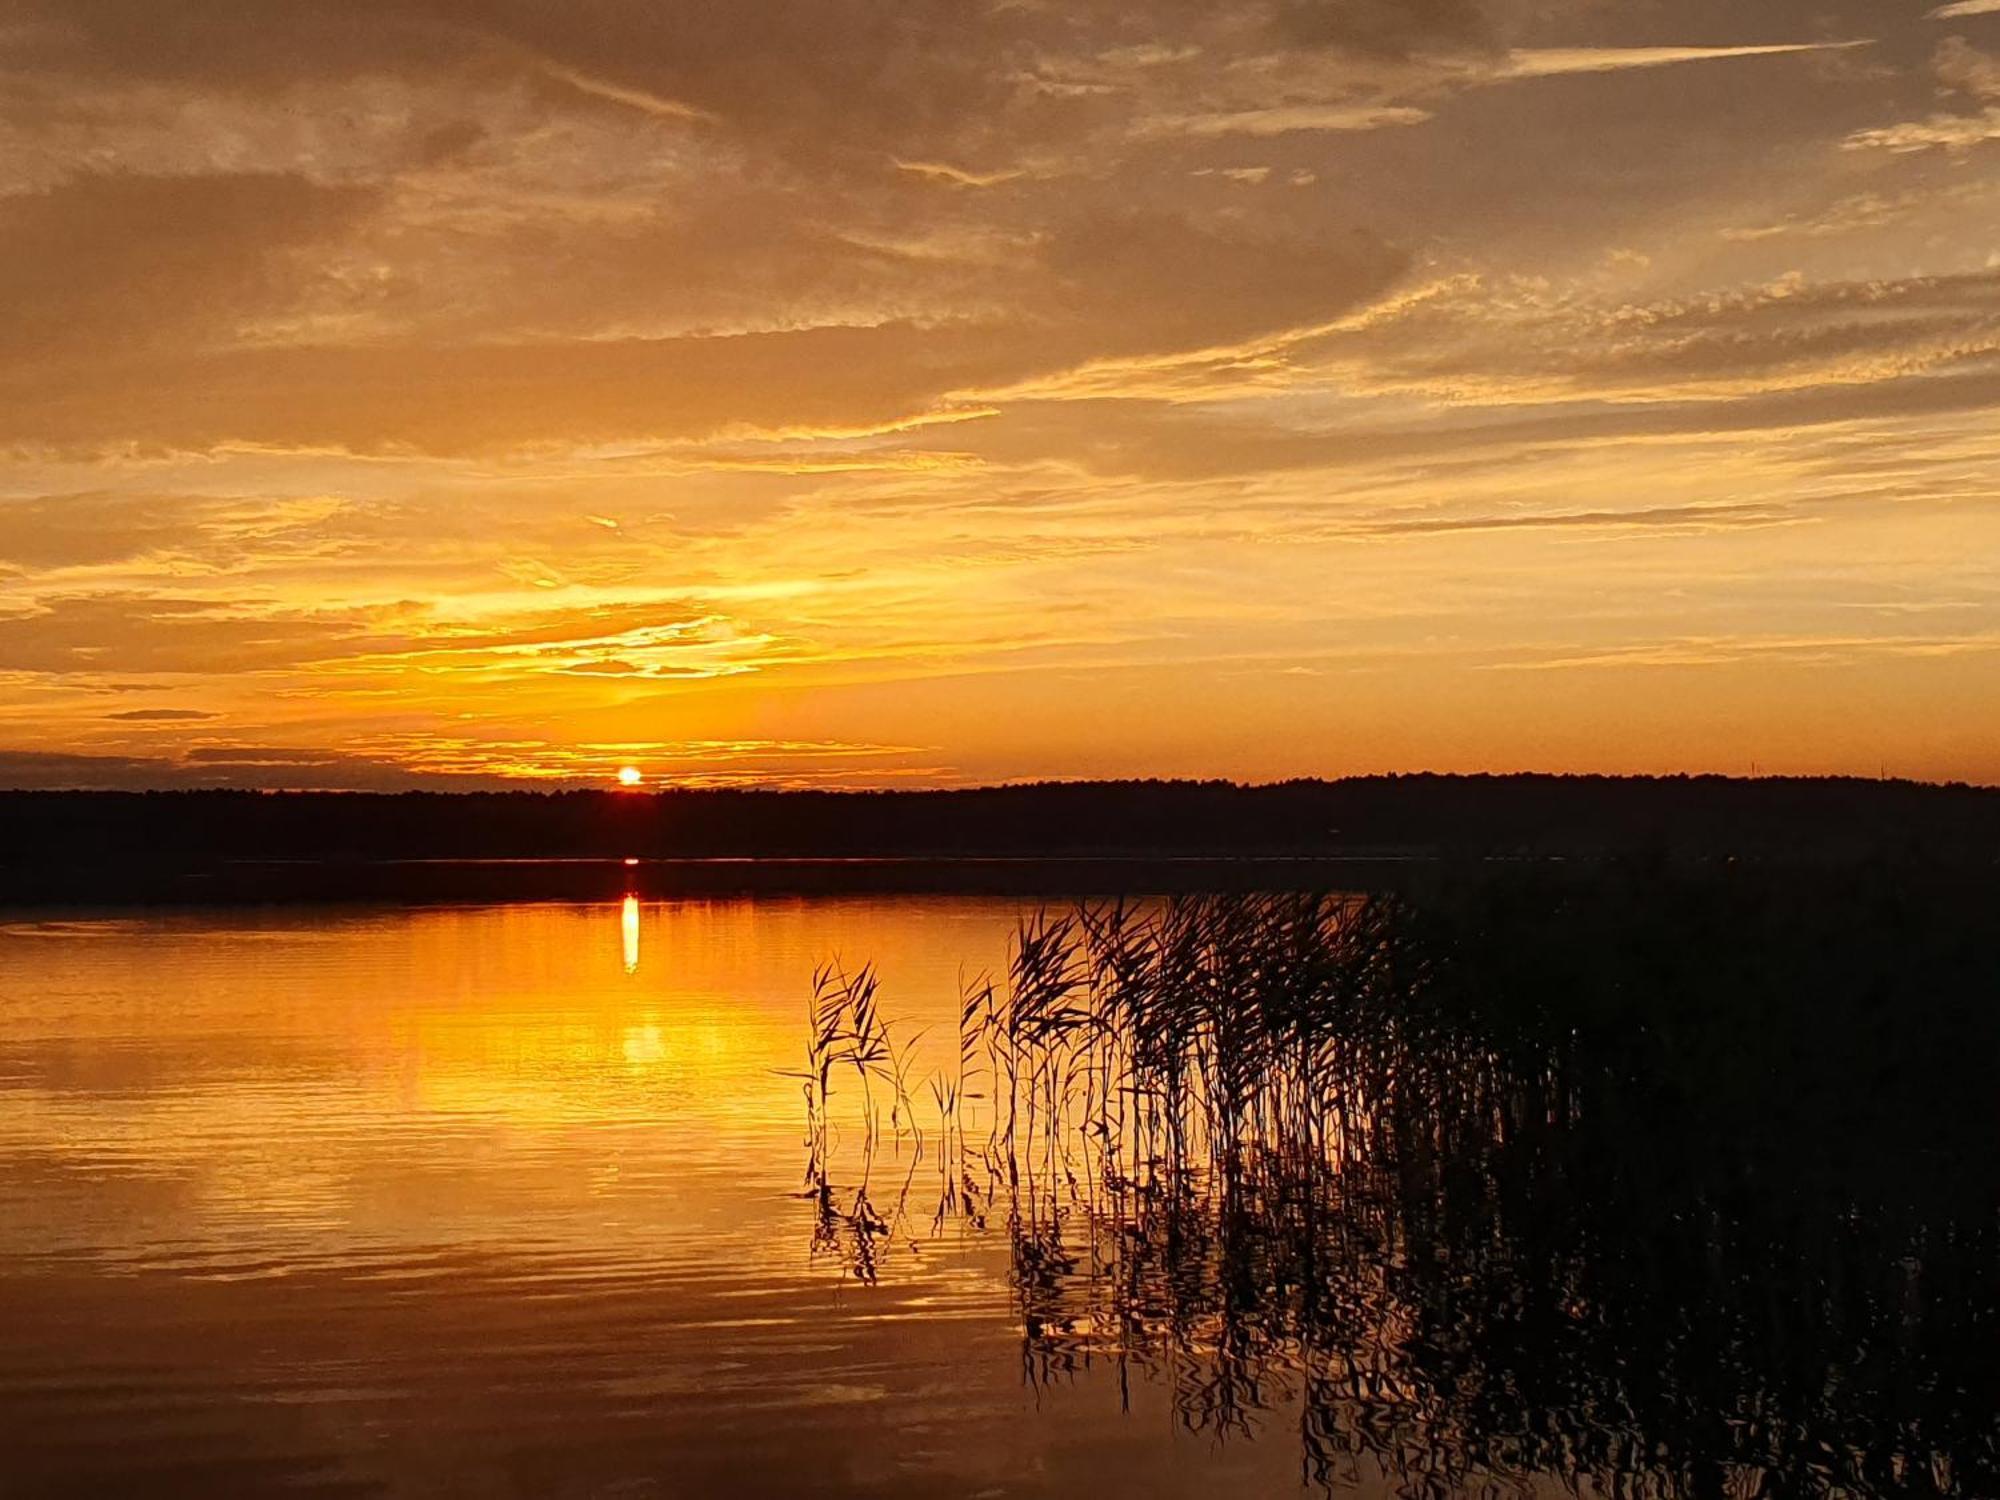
(335, 1083)
(501, 1202)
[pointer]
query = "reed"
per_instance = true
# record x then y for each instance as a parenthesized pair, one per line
(1662, 1186)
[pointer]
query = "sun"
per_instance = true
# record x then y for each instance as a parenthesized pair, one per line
(629, 776)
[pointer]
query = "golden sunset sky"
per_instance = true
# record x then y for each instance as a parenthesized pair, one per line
(884, 392)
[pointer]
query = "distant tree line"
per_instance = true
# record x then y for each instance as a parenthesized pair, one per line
(1528, 816)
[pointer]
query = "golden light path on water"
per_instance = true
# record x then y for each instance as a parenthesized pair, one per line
(495, 1201)
(340, 1079)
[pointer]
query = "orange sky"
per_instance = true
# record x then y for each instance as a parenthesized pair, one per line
(894, 392)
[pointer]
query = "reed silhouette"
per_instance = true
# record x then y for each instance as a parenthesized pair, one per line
(1664, 1184)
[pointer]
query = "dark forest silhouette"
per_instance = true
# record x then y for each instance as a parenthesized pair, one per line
(118, 845)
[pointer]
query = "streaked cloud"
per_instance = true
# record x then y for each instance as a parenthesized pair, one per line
(1552, 62)
(1939, 132)
(436, 764)
(939, 171)
(1285, 119)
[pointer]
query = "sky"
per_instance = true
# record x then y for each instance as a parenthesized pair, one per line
(916, 392)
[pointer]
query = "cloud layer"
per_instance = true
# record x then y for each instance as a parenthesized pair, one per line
(398, 390)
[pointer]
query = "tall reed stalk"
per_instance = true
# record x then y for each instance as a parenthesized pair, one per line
(1534, 1184)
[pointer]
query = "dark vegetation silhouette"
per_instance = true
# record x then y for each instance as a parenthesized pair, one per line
(185, 845)
(1676, 1183)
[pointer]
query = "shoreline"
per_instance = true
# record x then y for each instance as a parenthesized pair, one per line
(500, 881)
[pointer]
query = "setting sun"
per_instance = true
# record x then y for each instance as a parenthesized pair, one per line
(629, 776)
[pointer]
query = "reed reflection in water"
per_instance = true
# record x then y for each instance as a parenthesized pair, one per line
(1683, 1186)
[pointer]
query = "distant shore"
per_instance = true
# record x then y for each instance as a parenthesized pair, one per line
(452, 881)
(1056, 839)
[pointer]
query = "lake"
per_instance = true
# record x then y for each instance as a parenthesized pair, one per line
(526, 1201)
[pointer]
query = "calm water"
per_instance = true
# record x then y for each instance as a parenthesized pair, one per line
(493, 1202)
(508, 1202)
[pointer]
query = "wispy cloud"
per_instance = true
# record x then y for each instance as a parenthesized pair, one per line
(1286, 119)
(1938, 132)
(1550, 62)
(1961, 68)
(1960, 8)
(643, 100)
(939, 171)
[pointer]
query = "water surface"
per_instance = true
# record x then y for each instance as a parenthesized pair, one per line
(1682, 1189)
(493, 1202)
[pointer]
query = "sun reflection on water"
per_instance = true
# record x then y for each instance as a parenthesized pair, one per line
(460, 1181)
(252, 1088)
(644, 1044)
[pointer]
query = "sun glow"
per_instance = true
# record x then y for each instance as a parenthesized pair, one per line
(629, 776)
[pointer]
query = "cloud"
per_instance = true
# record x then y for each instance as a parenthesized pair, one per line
(94, 529)
(234, 755)
(1288, 118)
(1688, 518)
(595, 643)
(162, 716)
(1389, 28)
(108, 264)
(275, 770)
(1098, 285)
(1964, 8)
(1425, 90)
(1183, 443)
(1474, 341)
(493, 397)
(636, 98)
(1961, 68)
(1939, 132)
(938, 171)
(604, 287)
(135, 633)
(1850, 213)
(815, 79)
(44, 770)
(1150, 282)
(1551, 62)
(132, 634)
(392, 764)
